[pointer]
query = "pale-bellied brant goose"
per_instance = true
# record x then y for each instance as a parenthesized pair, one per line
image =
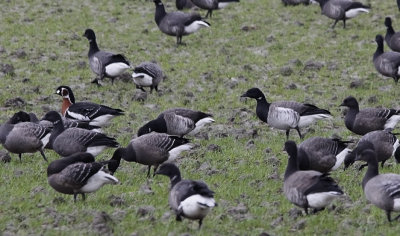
(286, 115)
(104, 64)
(307, 188)
(369, 119)
(153, 149)
(341, 9)
(392, 38)
(211, 5)
(187, 198)
(382, 190)
(322, 154)
(66, 142)
(97, 115)
(177, 121)
(295, 2)
(385, 145)
(386, 63)
(19, 137)
(177, 23)
(147, 74)
(184, 4)
(78, 174)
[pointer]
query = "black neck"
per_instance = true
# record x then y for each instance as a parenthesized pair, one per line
(262, 108)
(322, 3)
(93, 47)
(351, 116)
(57, 129)
(175, 179)
(379, 50)
(160, 13)
(372, 170)
(292, 166)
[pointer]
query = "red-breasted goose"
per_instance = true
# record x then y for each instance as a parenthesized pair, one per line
(187, 198)
(147, 74)
(97, 115)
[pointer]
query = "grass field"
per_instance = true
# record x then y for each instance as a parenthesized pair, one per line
(290, 53)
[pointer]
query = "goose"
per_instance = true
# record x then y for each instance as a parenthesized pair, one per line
(19, 137)
(368, 119)
(187, 198)
(104, 64)
(398, 4)
(184, 4)
(97, 115)
(211, 5)
(177, 23)
(78, 174)
(153, 149)
(286, 115)
(382, 190)
(147, 74)
(392, 38)
(386, 63)
(66, 142)
(341, 9)
(322, 154)
(385, 145)
(307, 188)
(295, 2)
(177, 121)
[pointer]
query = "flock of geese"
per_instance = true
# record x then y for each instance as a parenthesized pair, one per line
(76, 134)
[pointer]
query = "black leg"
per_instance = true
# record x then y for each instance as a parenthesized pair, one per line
(83, 196)
(156, 88)
(306, 210)
(96, 81)
(151, 89)
(362, 167)
(44, 157)
(298, 131)
(178, 218)
(382, 163)
(287, 134)
(141, 88)
(344, 24)
(208, 13)
(388, 216)
(20, 156)
(148, 172)
(200, 223)
(75, 195)
(397, 217)
(112, 81)
(155, 169)
(334, 24)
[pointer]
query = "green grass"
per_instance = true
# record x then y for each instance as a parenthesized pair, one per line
(217, 66)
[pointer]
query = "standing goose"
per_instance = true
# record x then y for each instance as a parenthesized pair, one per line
(184, 4)
(295, 2)
(310, 188)
(211, 5)
(177, 121)
(286, 115)
(187, 198)
(392, 38)
(78, 174)
(66, 142)
(19, 137)
(382, 190)
(385, 145)
(153, 149)
(341, 9)
(369, 119)
(386, 63)
(147, 74)
(322, 154)
(104, 64)
(177, 23)
(97, 115)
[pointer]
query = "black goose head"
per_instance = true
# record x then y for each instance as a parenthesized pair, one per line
(90, 35)
(169, 169)
(362, 148)
(349, 159)
(58, 165)
(158, 2)
(291, 149)
(158, 125)
(66, 92)
(379, 40)
(53, 117)
(254, 93)
(18, 117)
(388, 22)
(350, 102)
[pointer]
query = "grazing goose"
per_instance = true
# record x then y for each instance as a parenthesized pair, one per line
(177, 121)
(177, 23)
(66, 142)
(295, 2)
(386, 63)
(112, 164)
(153, 149)
(147, 74)
(369, 119)
(78, 174)
(341, 9)
(322, 154)
(97, 115)
(392, 38)
(310, 188)
(286, 115)
(104, 64)
(187, 198)
(184, 4)
(382, 190)
(19, 137)
(385, 145)
(211, 5)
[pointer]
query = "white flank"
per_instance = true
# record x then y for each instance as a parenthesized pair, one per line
(116, 69)
(196, 206)
(98, 130)
(101, 120)
(396, 204)
(97, 181)
(174, 153)
(308, 120)
(196, 25)
(77, 116)
(392, 122)
(282, 118)
(45, 140)
(395, 146)
(320, 200)
(340, 158)
(354, 12)
(96, 150)
(200, 124)
(142, 79)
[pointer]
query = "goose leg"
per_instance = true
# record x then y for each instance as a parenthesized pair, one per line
(298, 131)
(287, 134)
(148, 172)
(75, 196)
(362, 166)
(334, 24)
(96, 81)
(178, 218)
(112, 81)
(83, 196)
(388, 216)
(155, 169)
(20, 156)
(397, 217)
(200, 223)
(344, 24)
(44, 157)
(382, 163)
(306, 210)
